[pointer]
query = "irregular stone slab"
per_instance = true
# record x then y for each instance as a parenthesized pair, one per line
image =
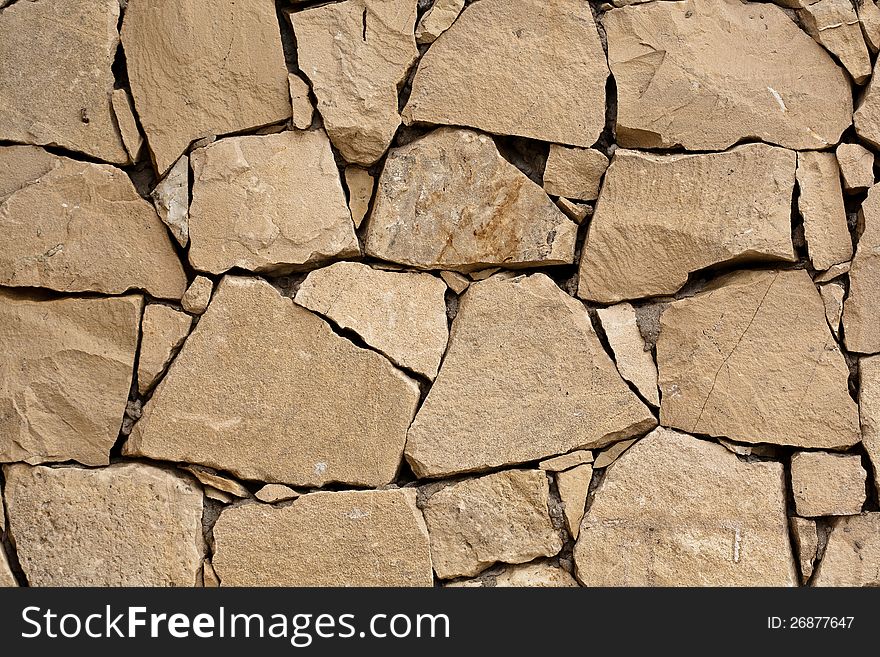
(268, 203)
(634, 360)
(755, 335)
(357, 55)
(450, 201)
(218, 495)
(869, 411)
(833, 272)
(832, 297)
(7, 579)
(610, 454)
(566, 461)
(128, 524)
(541, 73)
(360, 191)
(573, 487)
(861, 310)
(835, 24)
(488, 377)
(79, 227)
(869, 17)
(171, 198)
(437, 20)
(677, 65)
(703, 518)
(577, 212)
(574, 172)
(272, 493)
(65, 373)
(301, 104)
(401, 314)
(661, 217)
(209, 575)
(806, 542)
(163, 331)
(263, 389)
(39, 104)
(124, 113)
(852, 556)
(826, 484)
(539, 574)
(500, 517)
(208, 477)
(198, 295)
(458, 283)
(352, 538)
(820, 204)
(856, 164)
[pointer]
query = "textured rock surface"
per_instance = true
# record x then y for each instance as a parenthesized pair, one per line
(574, 172)
(832, 297)
(869, 410)
(869, 17)
(301, 104)
(633, 359)
(573, 487)
(820, 204)
(171, 198)
(163, 330)
(272, 493)
(856, 165)
(124, 113)
(208, 477)
(610, 454)
(439, 18)
(852, 556)
(360, 186)
(7, 579)
(539, 574)
(861, 310)
(866, 118)
(566, 461)
(198, 295)
(835, 24)
(827, 484)
(806, 543)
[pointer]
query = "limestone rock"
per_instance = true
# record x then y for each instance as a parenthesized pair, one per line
(65, 373)
(401, 314)
(483, 274)
(201, 69)
(128, 524)
(634, 360)
(866, 118)
(821, 205)
(869, 17)
(540, 74)
(56, 80)
(832, 297)
(437, 20)
(450, 201)
(263, 389)
(124, 113)
(272, 493)
(852, 556)
(500, 517)
(352, 538)
(574, 172)
(79, 227)
(163, 331)
(566, 461)
(869, 410)
(660, 217)
(610, 454)
(751, 358)
(458, 283)
(856, 164)
(835, 271)
(835, 24)
(218, 495)
(861, 310)
(301, 104)
(485, 398)
(827, 484)
(538, 574)
(573, 487)
(577, 212)
(706, 74)
(702, 517)
(357, 55)
(208, 477)
(198, 295)
(360, 191)
(171, 198)
(268, 203)
(806, 542)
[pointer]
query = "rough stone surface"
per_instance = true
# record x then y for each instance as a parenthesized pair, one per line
(856, 165)
(827, 484)
(360, 186)
(832, 297)
(352, 538)
(450, 201)
(702, 518)
(660, 217)
(566, 461)
(835, 24)
(539, 574)
(610, 454)
(806, 543)
(577, 212)
(171, 198)
(7, 579)
(866, 118)
(852, 556)
(437, 20)
(272, 493)
(869, 409)
(573, 487)
(574, 172)
(163, 330)
(833, 272)
(861, 310)
(124, 113)
(208, 477)
(634, 360)
(820, 203)
(301, 103)
(458, 283)
(869, 17)
(198, 295)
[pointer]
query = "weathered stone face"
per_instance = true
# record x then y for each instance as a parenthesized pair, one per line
(539, 574)
(821, 206)
(861, 310)
(827, 484)
(869, 411)
(163, 330)
(852, 555)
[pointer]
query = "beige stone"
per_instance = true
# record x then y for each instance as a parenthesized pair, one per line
(56, 79)
(209, 575)
(163, 330)
(74, 226)
(264, 390)
(500, 517)
(869, 17)
(869, 411)
(861, 310)
(574, 172)
(610, 454)
(538, 574)
(485, 398)
(483, 274)
(835, 25)
(272, 493)
(124, 113)
(450, 201)
(7, 579)
(826, 484)
(866, 118)
(199, 69)
(439, 18)
(351, 538)
(678, 511)
(573, 487)
(458, 283)
(705, 75)
(218, 495)
(208, 477)
(856, 164)
(577, 212)
(832, 297)
(751, 358)
(835, 271)
(268, 203)
(360, 186)
(566, 461)
(400, 314)
(852, 555)
(171, 198)
(357, 55)
(820, 204)
(661, 217)
(806, 543)
(65, 373)
(128, 524)
(198, 295)
(634, 360)
(301, 104)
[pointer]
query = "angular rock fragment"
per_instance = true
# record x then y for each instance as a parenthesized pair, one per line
(163, 331)
(832, 297)
(577, 212)
(869, 17)
(198, 295)
(301, 104)
(483, 274)
(7, 579)
(827, 484)
(360, 191)
(633, 359)
(661, 217)
(124, 113)
(861, 310)
(272, 493)
(437, 20)
(171, 198)
(678, 67)
(209, 575)
(208, 477)
(74, 226)
(835, 271)
(268, 203)
(538, 574)
(218, 495)
(610, 454)
(751, 358)
(866, 118)
(203, 69)
(485, 399)
(806, 542)
(65, 373)
(869, 411)
(401, 314)
(458, 283)
(263, 389)
(500, 517)
(357, 54)
(573, 487)
(856, 165)
(450, 201)
(540, 74)
(852, 555)
(566, 461)
(574, 172)
(702, 518)
(128, 524)
(835, 25)
(352, 538)
(820, 204)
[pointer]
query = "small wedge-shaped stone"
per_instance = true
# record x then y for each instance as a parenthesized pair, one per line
(352, 538)
(124, 113)
(524, 378)
(832, 297)
(56, 78)
(500, 517)
(450, 201)
(856, 165)
(573, 487)
(634, 362)
(223, 484)
(268, 203)
(852, 555)
(272, 493)
(820, 204)
(539, 574)
(660, 217)
(360, 185)
(437, 20)
(827, 484)
(199, 69)
(357, 54)
(79, 227)
(574, 172)
(128, 524)
(263, 389)
(7, 579)
(401, 314)
(861, 310)
(869, 411)
(835, 24)
(705, 75)
(806, 542)
(198, 295)
(540, 74)
(751, 358)
(301, 104)
(171, 198)
(869, 17)
(65, 373)
(163, 331)
(567, 461)
(678, 511)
